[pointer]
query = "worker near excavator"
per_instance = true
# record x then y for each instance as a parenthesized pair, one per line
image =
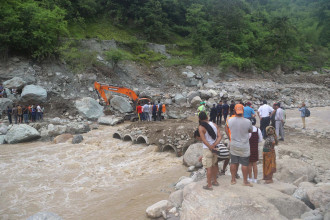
(139, 111)
(160, 110)
(146, 112)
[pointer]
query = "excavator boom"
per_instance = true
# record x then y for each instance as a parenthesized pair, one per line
(100, 88)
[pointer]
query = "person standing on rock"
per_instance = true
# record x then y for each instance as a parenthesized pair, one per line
(219, 113)
(255, 139)
(19, 114)
(160, 110)
(213, 114)
(264, 113)
(211, 137)
(9, 113)
(146, 112)
(302, 110)
(248, 111)
(26, 114)
(150, 111)
(14, 113)
(240, 128)
(269, 156)
(279, 121)
(232, 107)
(33, 113)
(154, 111)
(201, 108)
(225, 110)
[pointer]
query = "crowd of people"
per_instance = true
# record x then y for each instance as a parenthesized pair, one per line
(244, 138)
(151, 111)
(24, 113)
(3, 92)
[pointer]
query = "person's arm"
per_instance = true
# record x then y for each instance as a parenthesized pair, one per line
(202, 132)
(251, 127)
(260, 136)
(219, 137)
(226, 130)
(259, 114)
(253, 113)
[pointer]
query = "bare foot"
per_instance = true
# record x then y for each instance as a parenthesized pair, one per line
(233, 182)
(269, 181)
(247, 184)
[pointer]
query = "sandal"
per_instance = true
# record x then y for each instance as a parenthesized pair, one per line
(215, 184)
(207, 187)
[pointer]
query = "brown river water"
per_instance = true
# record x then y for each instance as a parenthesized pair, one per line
(101, 178)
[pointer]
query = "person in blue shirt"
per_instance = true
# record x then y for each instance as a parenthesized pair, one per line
(248, 111)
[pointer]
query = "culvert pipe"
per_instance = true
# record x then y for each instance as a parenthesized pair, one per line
(117, 135)
(170, 147)
(128, 137)
(142, 140)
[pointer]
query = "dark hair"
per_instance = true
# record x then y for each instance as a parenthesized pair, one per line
(278, 104)
(264, 102)
(196, 133)
(232, 101)
(202, 116)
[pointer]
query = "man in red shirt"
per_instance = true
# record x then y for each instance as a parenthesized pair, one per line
(139, 111)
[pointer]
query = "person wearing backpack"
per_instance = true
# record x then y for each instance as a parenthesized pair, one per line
(303, 114)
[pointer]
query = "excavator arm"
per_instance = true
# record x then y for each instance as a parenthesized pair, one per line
(100, 88)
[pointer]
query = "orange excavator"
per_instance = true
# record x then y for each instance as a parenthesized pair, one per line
(101, 88)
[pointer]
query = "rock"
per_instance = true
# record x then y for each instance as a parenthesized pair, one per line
(312, 215)
(21, 133)
(205, 94)
(189, 67)
(180, 99)
(54, 130)
(192, 82)
(15, 82)
(319, 196)
(121, 104)
(34, 94)
(195, 102)
(44, 216)
(155, 211)
(2, 139)
(181, 184)
(194, 151)
(77, 128)
(3, 129)
(301, 193)
(304, 178)
(158, 48)
(176, 115)
(77, 139)
(234, 202)
(110, 120)
(192, 95)
(4, 103)
(62, 138)
(212, 93)
(198, 175)
(176, 198)
(191, 168)
(296, 170)
(285, 188)
(161, 141)
(89, 108)
(189, 74)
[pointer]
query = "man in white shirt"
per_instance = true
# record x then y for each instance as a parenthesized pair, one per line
(146, 112)
(39, 112)
(279, 121)
(264, 112)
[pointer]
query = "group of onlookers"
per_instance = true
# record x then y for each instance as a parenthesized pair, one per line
(151, 111)
(24, 113)
(3, 92)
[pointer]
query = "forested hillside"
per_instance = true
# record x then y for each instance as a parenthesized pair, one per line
(231, 33)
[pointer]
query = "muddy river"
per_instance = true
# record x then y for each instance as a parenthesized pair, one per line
(101, 178)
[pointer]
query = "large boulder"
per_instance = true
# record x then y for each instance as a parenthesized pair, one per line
(194, 151)
(155, 211)
(176, 198)
(121, 104)
(34, 94)
(195, 102)
(238, 202)
(89, 108)
(2, 139)
(179, 99)
(15, 82)
(21, 133)
(3, 129)
(54, 130)
(77, 128)
(192, 95)
(290, 169)
(4, 103)
(204, 94)
(182, 183)
(77, 139)
(62, 138)
(301, 193)
(110, 120)
(319, 196)
(44, 216)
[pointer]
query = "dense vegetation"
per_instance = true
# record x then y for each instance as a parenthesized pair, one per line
(239, 33)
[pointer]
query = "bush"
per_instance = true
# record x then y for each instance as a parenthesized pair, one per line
(231, 60)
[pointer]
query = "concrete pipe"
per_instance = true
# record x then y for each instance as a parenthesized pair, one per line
(128, 137)
(117, 135)
(171, 148)
(142, 140)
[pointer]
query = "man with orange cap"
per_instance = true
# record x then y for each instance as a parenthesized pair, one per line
(240, 128)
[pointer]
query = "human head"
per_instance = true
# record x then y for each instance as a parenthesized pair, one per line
(232, 102)
(220, 102)
(277, 105)
(213, 105)
(264, 102)
(202, 116)
(239, 109)
(248, 104)
(270, 130)
(303, 104)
